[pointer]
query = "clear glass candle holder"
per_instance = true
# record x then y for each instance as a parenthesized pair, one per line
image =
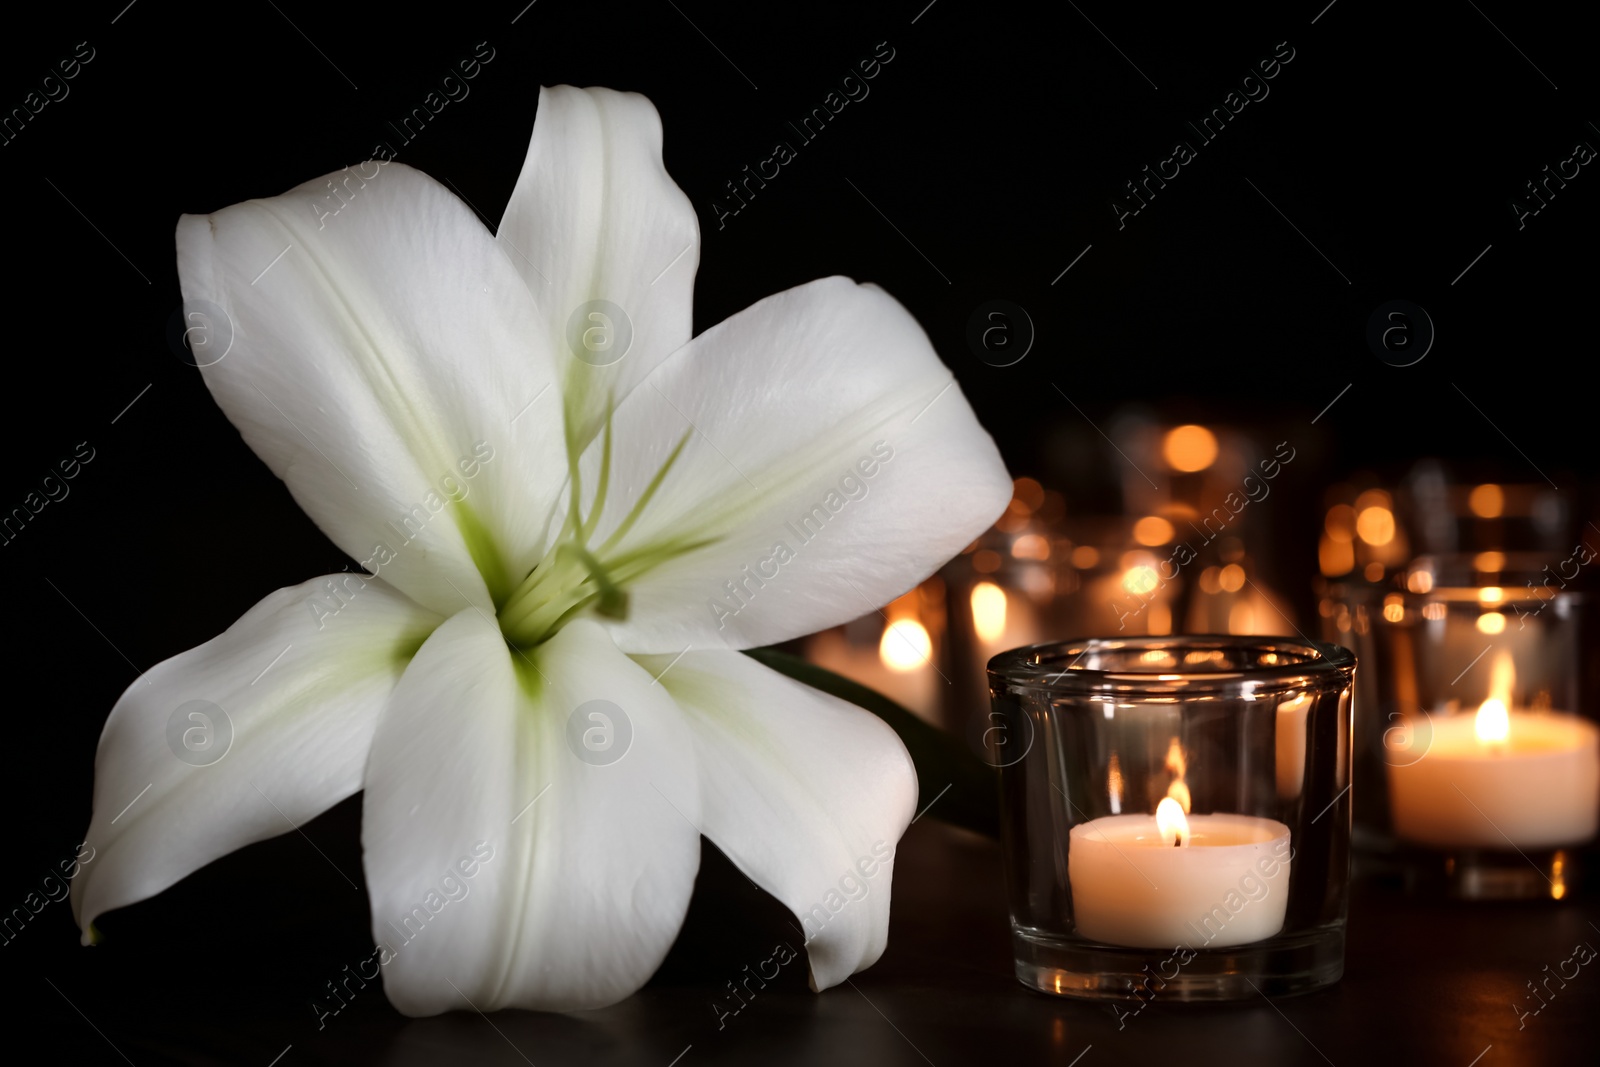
(1175, 816)
(1483, 747)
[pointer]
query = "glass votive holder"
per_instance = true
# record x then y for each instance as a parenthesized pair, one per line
(1015, 587)
(1177, 825)
(1483, 748)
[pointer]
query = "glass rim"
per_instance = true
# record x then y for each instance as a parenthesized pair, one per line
(1038, 667)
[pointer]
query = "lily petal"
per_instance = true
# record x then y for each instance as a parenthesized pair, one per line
(506, 870)
(595, 217)
(806, 793)
(819, 420)
(198, 759)
(382, 362)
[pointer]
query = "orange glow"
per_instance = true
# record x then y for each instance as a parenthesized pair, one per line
(1373, 571)
(1085, 556)
(1490, 562)
(1341, 522)
(1491, 594)
(1491, 622)
(1039, 583)
(903, 606)
(1013, 520)
(1242, 618)
(1179, 792)
(1373, 498)
(1393, 608)
(1030, 492)
(1419, 581)
(986, 561)
(1171, 822)
(1232, 578)
(988, 611)
(1487, 501)
(1158, 620)
(1141, 579)
(1190, 448)
(1152, 530)
(1031, 546)
(1375, 525)
(905, 645)
(1335, 557)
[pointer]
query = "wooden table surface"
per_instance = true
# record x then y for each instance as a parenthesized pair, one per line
(223, 969)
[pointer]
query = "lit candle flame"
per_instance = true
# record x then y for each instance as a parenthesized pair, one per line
(1177, 766)
(1140, 579)
(905, 645)
(1493, 725)
(1189, 448)
(1172, 823)
(989, 611)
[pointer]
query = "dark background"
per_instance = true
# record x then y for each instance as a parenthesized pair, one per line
(983, 162)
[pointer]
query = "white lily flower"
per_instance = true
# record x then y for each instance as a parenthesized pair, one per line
(549, 526)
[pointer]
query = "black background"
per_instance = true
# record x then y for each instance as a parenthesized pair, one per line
(983, 162)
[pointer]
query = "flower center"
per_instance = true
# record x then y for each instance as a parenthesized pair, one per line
(576, 577)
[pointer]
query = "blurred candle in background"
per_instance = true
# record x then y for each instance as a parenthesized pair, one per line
(1186, 554)
(895, 651)
(1477, 702)
(1502, 777)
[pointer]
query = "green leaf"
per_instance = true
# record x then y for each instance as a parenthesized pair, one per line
(972, 799)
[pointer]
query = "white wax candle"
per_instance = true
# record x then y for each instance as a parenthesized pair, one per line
(1538, 788)
(1228, 884)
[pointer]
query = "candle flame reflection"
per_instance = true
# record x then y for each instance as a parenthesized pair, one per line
(1175, 761)
(1177, 792)
(1114, 785)
(1172, 823)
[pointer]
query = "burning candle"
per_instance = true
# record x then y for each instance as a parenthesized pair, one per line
(1501, 778)
(899, 665)
(1172, 879)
